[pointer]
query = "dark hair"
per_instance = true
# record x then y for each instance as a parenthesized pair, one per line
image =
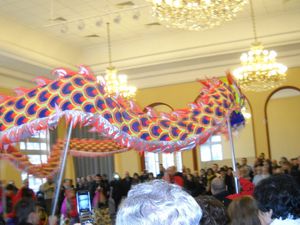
(23, 208)
(2, 221)
(27, 193)
(10, 187)
(213, 211)
(243, 210)
(280, 193)
(211, 170)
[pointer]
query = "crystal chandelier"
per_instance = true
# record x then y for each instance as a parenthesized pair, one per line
(259, 70)
(116, 83)
(195, 14)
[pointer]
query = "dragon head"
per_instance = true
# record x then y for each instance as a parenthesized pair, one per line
(226, 94)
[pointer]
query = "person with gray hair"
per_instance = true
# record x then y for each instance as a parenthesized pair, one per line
(158, 203)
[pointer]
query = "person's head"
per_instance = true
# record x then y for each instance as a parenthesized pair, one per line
(229, 171)
(151, 176)
(89, 178)
(160, 203)
(286, 167)
(27, 193)
(188, 171)
(26, 212)
(258, 170)
(202, 172)
(25, 183)
(10, 189)
(136, 176)
(215, 167)
(210, 172)
(116, 176)
(278, 195)
(244, 171)
(161, 168)
(244, 161)
(294, 162)
(98, 178)
(265, 170)
(189, 177)
(222, 172)
(277, 170)
(70, 193)
(243, 210)
(82, 179)
(171, 170)
(218, 185)
(213, 211)
(283, 160)
(67, 183)
(50, 179)
(262, 156)
(127, 174)
(274, 162)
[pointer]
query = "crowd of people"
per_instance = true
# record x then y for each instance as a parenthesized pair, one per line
(213, 189)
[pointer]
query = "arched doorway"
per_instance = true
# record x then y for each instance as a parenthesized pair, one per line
(283, 122)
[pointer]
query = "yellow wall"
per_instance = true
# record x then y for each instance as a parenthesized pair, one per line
(284, 127)
(127, 161)
(258, 101)
(9, 172)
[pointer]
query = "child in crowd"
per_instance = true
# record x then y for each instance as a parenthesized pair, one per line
(69, 206)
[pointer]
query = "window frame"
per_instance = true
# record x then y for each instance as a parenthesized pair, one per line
(209, 144)
(177, 161)
(40, 138)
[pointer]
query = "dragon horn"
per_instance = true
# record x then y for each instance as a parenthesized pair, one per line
(21, 91)
(86, 71)
(42, 81)
(229, 77)
(62, 72)
(4, 98)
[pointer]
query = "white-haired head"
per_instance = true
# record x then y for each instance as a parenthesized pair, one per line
(160, 203)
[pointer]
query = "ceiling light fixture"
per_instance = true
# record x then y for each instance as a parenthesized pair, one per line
(196, 14)
(259, 70)
(115, 83)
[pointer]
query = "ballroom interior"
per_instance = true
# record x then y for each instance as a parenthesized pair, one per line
(163, 63)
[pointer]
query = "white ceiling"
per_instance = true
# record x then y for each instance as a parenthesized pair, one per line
(40, 15)
(32, 42)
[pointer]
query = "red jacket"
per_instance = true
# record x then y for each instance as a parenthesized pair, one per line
(247, 188)
(178, 180)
